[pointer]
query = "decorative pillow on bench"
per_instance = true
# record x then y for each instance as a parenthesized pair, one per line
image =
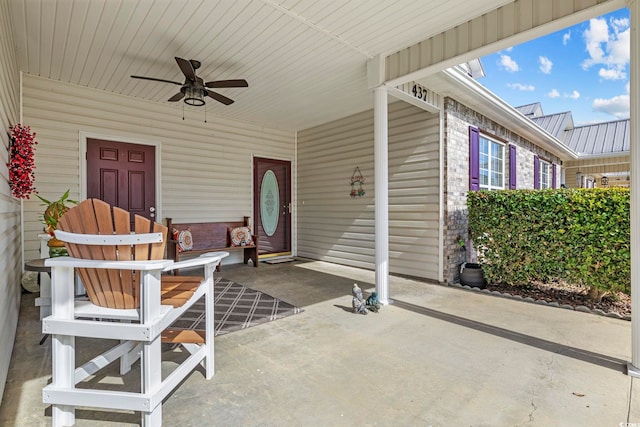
(184, 238)
(240, 236)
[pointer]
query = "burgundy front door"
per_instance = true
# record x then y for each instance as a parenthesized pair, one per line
(123, 175)
(272, 205)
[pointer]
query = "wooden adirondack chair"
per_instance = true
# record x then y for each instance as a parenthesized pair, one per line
(122, 274)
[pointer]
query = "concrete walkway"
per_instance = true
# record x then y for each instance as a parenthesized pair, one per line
(438, 356)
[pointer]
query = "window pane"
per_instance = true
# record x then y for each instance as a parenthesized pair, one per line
(484, 162)
(484, 177)
(484, 146)
(491, 164)
(496, 165)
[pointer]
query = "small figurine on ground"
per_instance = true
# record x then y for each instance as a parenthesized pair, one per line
(358, 301)
(372, 302)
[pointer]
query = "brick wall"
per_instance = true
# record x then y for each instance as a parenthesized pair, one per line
(457, 119)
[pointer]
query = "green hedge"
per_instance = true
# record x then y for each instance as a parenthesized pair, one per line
(580, 235)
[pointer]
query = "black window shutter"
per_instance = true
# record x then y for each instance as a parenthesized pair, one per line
(553, 175)
(513, 178)
(474, 159)
(536, 172)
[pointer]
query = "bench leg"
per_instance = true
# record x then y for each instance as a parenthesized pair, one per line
(251, 254)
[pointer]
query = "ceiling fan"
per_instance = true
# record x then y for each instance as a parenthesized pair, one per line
(194, 89)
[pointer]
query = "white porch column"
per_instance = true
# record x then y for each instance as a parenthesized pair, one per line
(634, 95)
(381, 174)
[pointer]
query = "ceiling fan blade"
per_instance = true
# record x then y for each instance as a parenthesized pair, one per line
(177, 97)
(220, 98)
(157, 80)
(187, 69)
(227, 83)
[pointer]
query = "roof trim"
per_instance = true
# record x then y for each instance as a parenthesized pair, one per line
(545, 139)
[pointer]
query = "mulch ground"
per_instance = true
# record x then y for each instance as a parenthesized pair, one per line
(565, 293)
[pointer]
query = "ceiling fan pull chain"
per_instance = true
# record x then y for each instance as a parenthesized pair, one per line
(183, 111)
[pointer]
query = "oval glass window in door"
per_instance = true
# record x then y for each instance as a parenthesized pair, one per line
(269, 203)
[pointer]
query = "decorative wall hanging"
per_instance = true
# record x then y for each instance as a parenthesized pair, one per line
(356, 183)
(21, 162)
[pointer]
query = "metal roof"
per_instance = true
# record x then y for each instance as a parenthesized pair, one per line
(593, 139)
(600, 138)
(531, 110)
(555, 124)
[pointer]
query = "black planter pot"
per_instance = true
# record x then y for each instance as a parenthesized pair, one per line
(471, 275)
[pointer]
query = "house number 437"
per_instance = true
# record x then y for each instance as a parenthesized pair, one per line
(419, 92)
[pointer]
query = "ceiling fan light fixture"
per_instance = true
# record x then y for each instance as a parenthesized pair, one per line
(194, 97)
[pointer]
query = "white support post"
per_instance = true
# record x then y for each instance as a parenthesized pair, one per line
(634, 92)
(381, 175)
(63, 346)
(151, 360)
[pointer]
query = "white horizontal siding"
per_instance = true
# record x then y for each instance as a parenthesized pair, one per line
(206, 168)
(10, 230)
(334, 227)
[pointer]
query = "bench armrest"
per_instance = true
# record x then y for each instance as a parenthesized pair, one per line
(213, 257)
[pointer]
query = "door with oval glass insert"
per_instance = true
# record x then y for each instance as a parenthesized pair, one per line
(272, 206)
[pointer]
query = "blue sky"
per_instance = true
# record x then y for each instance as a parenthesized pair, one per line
(583, 69)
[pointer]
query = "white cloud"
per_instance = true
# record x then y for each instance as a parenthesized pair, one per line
(608, 44)
(566, 37)
(620, 24)
(545, 64)
(574, 95)
(619, 49)
(617, 106)
(520, 86)
(553, 94)
(612, 74)
(595, 36)
(508, 64)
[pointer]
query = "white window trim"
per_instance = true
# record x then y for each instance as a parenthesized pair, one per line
(543, 184)
(504, 162)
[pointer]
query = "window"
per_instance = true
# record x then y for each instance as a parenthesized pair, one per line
(491, 164)
(545, 174)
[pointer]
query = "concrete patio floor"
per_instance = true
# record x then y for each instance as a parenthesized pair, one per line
(438, 356)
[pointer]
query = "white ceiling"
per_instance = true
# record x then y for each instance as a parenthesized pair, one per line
(305, 60)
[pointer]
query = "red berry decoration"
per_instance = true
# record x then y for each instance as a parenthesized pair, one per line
(21, 163)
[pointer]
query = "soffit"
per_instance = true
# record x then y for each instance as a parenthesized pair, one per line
(305, 60)
(456, 84)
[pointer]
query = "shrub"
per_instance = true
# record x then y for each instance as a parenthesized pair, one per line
(580, 235)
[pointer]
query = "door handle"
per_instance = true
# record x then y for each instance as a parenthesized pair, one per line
(286, 207)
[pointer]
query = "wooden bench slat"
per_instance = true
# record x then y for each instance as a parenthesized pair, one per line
(175, 336)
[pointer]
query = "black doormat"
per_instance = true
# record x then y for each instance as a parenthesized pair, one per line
(236, 307)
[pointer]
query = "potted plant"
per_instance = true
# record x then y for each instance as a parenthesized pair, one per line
(50, 217)
(470, 273)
